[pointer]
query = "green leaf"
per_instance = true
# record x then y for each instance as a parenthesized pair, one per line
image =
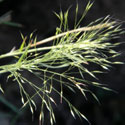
(108, 89)
(1, 89)
(89, 5)
(118, 63)
(13, 24)
(23, 43)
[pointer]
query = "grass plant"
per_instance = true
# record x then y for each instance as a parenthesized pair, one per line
(71, 50)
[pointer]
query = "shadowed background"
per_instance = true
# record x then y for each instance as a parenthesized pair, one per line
(38, 15)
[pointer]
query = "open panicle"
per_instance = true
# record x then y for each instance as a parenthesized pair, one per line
(72, 52)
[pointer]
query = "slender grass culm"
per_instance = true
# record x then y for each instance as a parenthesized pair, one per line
(71, 49)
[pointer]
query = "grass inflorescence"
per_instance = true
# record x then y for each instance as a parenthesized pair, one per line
(72, 49)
